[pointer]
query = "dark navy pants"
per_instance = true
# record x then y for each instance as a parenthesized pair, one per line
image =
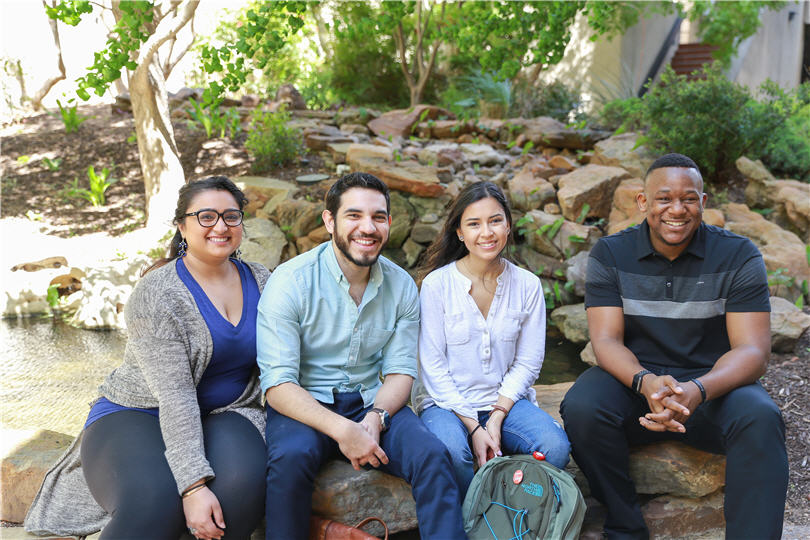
(601, 418)
(295, 453)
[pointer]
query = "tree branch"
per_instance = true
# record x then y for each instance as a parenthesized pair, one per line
(399, 38)
(171, 64)
(165, 30)
(36, 100)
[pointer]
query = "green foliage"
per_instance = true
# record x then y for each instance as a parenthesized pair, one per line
(554, 99)
(787, 150)
(68, 11)
(583, 213)
(98, 186)
(551, 229)
(52, 164)
(70, 115)
(270, 141)
(779, 277)
(713, 121)
(22, 160)
(622, 115)
(52, 296)
(214, 120)
(519, 224)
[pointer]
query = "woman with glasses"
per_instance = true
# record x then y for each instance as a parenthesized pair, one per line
(174, 442)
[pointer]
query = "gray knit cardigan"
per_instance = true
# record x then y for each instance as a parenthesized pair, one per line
(168, 348)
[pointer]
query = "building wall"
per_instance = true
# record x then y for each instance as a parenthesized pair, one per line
(775, 51)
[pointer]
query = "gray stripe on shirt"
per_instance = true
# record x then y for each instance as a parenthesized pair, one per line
(674, 310)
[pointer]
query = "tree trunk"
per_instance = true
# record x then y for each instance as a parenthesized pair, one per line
(160, 160)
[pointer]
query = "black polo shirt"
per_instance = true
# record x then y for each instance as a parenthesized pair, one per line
(674, 311)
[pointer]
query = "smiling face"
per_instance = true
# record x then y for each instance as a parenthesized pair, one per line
(673, 201)
(211, 244)
(484, 228)
(360, 226)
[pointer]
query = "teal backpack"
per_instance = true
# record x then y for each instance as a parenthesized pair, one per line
(522, 498)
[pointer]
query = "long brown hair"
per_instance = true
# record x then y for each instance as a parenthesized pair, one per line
(184, 198)
(447, 247)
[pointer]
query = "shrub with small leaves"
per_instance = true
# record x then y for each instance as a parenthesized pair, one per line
(271, 142)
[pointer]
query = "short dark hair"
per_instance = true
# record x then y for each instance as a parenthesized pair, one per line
(355, 180)
(673, 160)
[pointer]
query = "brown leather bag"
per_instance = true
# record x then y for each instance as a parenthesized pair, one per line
(328, 529)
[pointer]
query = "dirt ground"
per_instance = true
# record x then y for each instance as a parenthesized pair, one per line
(30, 189)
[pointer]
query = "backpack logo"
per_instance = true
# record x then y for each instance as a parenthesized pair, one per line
(533, 489)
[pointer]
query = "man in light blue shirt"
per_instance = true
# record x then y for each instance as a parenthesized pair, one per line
(331, 323)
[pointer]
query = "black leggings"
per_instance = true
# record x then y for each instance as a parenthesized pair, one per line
(127, 473)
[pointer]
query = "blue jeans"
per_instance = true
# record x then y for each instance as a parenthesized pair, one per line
(525, 429)
(295, 453)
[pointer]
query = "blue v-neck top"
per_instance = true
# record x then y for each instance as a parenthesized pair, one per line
(234, 348)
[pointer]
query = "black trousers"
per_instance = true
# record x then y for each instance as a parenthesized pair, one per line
(601, 418)
(128, 475)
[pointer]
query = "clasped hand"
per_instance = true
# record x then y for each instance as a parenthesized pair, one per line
(359, 442)
(671, 403)
(204, 514)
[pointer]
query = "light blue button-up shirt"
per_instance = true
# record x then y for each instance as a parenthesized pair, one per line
(311, 333)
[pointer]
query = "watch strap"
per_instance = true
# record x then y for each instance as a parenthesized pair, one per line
(638, 379)
(384, 417)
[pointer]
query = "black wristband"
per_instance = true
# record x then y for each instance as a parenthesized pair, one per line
(702, 390)
(474, 430)
(638, 378)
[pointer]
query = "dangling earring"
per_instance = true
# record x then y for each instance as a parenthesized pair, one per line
(460, 238)
(182, 247)
(237, 254)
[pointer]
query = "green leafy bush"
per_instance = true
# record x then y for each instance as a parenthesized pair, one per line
(98, 186)
(270, 141)
(714, 121)
(622, 115)
(554, 99)
(787, 149)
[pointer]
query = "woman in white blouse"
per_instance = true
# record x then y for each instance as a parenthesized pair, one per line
(482, 340)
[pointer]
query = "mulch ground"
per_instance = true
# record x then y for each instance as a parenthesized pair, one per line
(30, 189)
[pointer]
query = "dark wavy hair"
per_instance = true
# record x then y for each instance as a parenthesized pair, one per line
(447, 247)
(353, 180)
(184, 198)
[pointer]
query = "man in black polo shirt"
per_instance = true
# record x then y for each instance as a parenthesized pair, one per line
(678, 314)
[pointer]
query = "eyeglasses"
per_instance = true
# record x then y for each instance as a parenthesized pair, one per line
(208, 217)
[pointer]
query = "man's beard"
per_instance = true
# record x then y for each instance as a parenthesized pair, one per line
(343, 245)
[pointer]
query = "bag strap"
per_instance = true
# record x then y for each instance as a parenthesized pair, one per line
(370, 519)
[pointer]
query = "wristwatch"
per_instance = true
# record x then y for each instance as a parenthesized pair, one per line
(638, 378)
(385, 418)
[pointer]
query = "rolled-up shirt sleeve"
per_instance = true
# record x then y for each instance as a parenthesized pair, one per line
(531, 345)
(399, 354)
(278, 331)
(433, 361)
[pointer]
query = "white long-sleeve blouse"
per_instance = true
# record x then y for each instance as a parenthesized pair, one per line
(466, 361)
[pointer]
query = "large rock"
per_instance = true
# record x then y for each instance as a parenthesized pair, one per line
(298, 216)
(26, 457)
(425, 233)
(542, 265)
(264, 192)
(408, 176)
(674, 468)
(572, 322)
(569, 238)
(529, 189)
(624, 211)
(790, 199)
(482, 154)
(402, 215)
(621, 151)
(576, 271)
(592, 185)
(548, 132)
(291, 97)
(788, 322)
(401, 122)
(445, 129)
(549, 397)
(264, 242)
(587, 355)
(674, 518)
(780, 248)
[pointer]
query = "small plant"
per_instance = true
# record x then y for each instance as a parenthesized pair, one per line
(584, 213)
(271, 142)
(22, 160)
(70, 116)
(52, 164)
(133, 138)
(52, 296)
(215, 121)
(527, 148)
(551, 229)
(779, 277)
(98, 186)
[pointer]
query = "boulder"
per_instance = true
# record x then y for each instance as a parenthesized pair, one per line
(624, 211)
(105, 289)
(548, 132)
(320, 141)
(780, 248)
(572, 322)
(338, 151)
(402, 215)
(674, 468)
(27, 454)
(562, 163)
(349, 496)
(319, 235)
(401, 122)
(264, 242)
(297, 217)
(540, 264)
(412, 251)
(790, 199)
(429, 155)
(529, 189)
(592, 185)
(264, 192)
(482, 154)
(426, 232)
(291, 97)
(621, 151)
(788, 323)
(408, 176)
(587, 355)
(556, 237)
(42, 264)
(549, 397)
(674, 518)
(714, 216)
(577, 270)
(355, 115)
(357, 152)
(444, 129)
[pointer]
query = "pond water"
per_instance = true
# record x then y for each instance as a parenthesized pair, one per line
(50, 370)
